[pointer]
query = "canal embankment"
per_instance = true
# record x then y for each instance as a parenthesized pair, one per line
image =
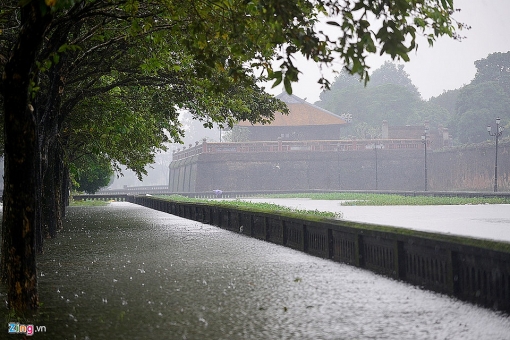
(469, 269)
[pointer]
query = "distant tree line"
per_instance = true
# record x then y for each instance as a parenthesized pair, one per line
(477, 104)
(390, 95)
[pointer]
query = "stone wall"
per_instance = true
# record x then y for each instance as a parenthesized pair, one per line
(472, 270)
(470, 168)
(396, 170)
(456, 169)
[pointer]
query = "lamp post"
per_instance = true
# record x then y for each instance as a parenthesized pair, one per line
(376, 146)
(424, 141)
(497, 134)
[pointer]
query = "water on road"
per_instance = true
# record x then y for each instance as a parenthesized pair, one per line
(128, 272)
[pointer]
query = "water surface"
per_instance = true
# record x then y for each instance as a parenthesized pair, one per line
(488, 221)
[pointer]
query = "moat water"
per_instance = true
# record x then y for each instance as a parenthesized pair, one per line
(487, 221)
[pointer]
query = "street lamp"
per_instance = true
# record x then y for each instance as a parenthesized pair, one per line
(497, 134)
(424, 141)
(375, 146)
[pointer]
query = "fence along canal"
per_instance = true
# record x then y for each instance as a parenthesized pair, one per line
(477, 271)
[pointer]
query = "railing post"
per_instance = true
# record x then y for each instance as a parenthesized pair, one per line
(330, 244)
(452, 274)
(359, 251)
(400, 269)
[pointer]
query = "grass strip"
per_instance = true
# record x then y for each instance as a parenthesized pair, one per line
(253, 205)
(88, 203)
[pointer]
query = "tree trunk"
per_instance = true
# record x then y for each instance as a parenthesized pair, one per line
(54, 197)
(19, 215)
(65, 190)
(50, 205)
(61, 177)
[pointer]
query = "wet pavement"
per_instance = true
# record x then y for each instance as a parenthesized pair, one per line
(128, 272)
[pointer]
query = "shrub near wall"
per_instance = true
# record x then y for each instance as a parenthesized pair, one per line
(477, 271)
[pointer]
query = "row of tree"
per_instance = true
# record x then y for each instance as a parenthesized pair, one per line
(92, 83)
(476, 105)
(390, 95)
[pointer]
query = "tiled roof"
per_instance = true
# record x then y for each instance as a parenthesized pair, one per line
(301, 113)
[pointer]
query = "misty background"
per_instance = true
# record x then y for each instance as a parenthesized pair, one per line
(434, 79)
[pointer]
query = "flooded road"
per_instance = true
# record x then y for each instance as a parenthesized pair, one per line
(128, 272)
(488, 221)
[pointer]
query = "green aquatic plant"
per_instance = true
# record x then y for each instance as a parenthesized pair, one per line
(368, 199)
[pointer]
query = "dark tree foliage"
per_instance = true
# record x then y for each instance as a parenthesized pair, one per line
(446, 100)
(496, 67)
(390, 73)
(479, 105)
(91, 173)
(390, 95)
(486, 98)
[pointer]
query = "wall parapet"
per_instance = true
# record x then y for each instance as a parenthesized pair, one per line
(294, 146)
(472, 270)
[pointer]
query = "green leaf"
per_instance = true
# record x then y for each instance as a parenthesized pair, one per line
(333, 23)
(288, 85)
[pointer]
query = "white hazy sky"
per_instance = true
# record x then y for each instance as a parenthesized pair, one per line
(449, 64)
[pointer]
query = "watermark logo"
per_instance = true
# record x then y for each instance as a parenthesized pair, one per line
(29, 330)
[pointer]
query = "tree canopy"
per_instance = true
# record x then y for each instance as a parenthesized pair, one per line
(483, 100)
(496, 67)
(107, 77)
(478, 105)
(390, 95)
(390, 73)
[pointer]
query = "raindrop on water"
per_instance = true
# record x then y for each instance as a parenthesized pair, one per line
(203, 321)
